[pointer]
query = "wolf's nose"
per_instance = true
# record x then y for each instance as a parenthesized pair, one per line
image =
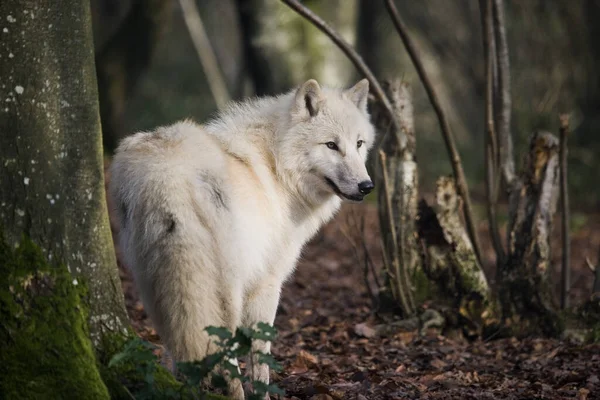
(365, 187)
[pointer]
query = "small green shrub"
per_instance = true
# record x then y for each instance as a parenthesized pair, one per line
(140, 354)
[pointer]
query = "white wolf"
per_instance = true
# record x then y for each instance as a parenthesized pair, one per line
(213, 218)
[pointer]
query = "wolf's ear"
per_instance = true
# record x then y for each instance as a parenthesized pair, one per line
(358, 94)
(308, 98)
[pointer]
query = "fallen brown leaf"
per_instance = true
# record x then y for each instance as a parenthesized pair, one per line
(308, 358)
(582, 394)
(364, 330)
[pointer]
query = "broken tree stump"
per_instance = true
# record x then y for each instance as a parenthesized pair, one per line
(526, 300)
(450, 260)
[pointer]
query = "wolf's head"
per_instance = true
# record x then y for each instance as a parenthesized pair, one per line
(326, 143)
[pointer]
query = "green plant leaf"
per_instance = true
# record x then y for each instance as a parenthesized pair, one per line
(264, 332)
(220, 332)
(268, 360)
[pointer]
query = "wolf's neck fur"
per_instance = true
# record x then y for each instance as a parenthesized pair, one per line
(245, 127)
(249, 130)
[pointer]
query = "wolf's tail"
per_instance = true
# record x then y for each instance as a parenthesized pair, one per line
(165, 246)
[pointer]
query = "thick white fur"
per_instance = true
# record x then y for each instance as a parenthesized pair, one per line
(213, 218)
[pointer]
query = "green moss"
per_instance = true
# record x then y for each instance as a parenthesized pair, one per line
(424, 290)
(45, 351)
(127, 379)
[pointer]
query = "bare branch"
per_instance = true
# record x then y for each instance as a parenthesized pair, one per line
(354, 57)
(404, 294)
(492, 180)
(459, 174)
(503, 111)
(564, 195)
(368, 259)
(489, 45)
(356, 251)
(206, 55)
(596, 270)
(591, 266)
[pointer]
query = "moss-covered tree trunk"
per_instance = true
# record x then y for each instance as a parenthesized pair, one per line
(450, 261)
(52, 192)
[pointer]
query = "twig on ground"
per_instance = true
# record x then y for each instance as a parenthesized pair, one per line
(461, 181)
(564, 195)
(206, 55)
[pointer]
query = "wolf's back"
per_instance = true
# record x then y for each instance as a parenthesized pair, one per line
(162, 237)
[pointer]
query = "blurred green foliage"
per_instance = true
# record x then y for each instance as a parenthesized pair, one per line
(554, 50)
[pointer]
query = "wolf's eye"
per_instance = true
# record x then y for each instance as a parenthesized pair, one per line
(359, 143)
(331, 145)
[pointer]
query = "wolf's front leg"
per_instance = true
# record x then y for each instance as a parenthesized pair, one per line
(231, 303)
(261, 306)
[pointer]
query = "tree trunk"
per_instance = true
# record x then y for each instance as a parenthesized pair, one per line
(227, 42)
(126, 34)
(525, 294)
(284, 50)
(52, 197)
(398, 193)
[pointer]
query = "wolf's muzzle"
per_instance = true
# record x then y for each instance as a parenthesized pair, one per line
(365, 187)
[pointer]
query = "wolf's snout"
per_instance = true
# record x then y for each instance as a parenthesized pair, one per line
(365, 187)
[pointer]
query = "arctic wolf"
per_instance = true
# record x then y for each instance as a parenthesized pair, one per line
(213, 217)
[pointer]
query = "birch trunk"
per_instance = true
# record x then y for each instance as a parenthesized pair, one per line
(398, 193)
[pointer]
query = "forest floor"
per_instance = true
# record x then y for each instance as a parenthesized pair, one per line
(329, 349)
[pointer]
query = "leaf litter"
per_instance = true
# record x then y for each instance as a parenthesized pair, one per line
(329, 346)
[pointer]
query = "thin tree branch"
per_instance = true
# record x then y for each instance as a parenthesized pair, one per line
(596, 271)
(492, 180)
(387, 266)
(503, 111)
(206, 55)
(596, 285)
(403, 292)
(363, 239)
(564, 195)
(355, 248)
(354, 57)
(461, 182)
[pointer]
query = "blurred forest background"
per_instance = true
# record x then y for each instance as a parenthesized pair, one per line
(263, 47)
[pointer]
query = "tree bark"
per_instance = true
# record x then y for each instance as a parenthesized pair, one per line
(524, 292)
(398, 194)
(51, 174)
